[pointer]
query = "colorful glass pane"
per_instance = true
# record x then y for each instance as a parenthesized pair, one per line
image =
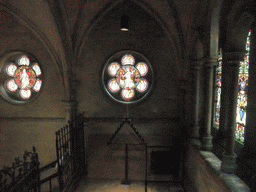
(128, 94)
(113, 68)
(12, 86)
(37, 69)
(122, 77)
(24, 60)
(242, 94)
(37, 85)
(25, 93)
(128, 77)
(128, 60)
(25, 77)
(25, 81)
(113, 86)
(143, 85)
(143, 68)
(218, 89)
(10, 69)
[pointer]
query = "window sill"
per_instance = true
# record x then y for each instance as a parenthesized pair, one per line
(234, 182)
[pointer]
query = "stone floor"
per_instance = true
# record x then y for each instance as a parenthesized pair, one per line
(109, 185)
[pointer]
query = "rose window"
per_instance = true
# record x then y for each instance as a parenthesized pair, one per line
(22, 77)
(127, 77)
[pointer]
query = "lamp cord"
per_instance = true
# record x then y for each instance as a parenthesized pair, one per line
(124, 8)
(127, 111)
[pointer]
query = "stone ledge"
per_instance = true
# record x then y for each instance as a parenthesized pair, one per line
(233, 182)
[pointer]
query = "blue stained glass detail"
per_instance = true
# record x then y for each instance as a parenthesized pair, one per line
(242, 93)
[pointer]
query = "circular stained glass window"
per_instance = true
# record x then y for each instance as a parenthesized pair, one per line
(127, 77)
(21, 77)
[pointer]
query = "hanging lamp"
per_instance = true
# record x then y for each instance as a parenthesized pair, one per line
(124, 19)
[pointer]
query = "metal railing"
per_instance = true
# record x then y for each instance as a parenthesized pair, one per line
(23, 175)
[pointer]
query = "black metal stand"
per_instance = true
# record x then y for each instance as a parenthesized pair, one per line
(126, 120)
(146, 170)
(126, 180)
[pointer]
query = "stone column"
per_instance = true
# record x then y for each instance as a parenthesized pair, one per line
(71, 103)
(182, 106)
(230, 69)
(69, 108)
(208, 94)
(194, 132)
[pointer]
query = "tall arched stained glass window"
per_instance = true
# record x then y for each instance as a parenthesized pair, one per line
(242, 93)
(218, 90)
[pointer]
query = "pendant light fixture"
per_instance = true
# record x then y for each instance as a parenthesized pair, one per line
(124, 19)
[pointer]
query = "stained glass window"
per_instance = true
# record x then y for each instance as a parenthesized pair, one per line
(127, 76)
(23, 79)
(218, 89)
(242, 93)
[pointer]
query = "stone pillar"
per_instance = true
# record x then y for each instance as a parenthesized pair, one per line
(69, 108)
(183, 93)
(71, 103)
(208, 95)
(230, 69)
(194, 132)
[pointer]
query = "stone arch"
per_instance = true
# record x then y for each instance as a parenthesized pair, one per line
(205, 29)
(240, 19)
(174, 41)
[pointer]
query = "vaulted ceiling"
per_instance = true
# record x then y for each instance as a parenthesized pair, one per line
(191, 26)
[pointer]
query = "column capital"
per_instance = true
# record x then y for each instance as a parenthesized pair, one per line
(210, 62)
(196, 64)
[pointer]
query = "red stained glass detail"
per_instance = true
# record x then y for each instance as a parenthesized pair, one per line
(242, 93)
(128, 77)
(25, 93)
(25, 77)
(143, 85)
(37, 69)
(24, 60)
(11, 85)
(128, 94)
(10, 69)
(37, 85)
(128, 60)
(143, 68)
(113, 68)
(113, 86)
